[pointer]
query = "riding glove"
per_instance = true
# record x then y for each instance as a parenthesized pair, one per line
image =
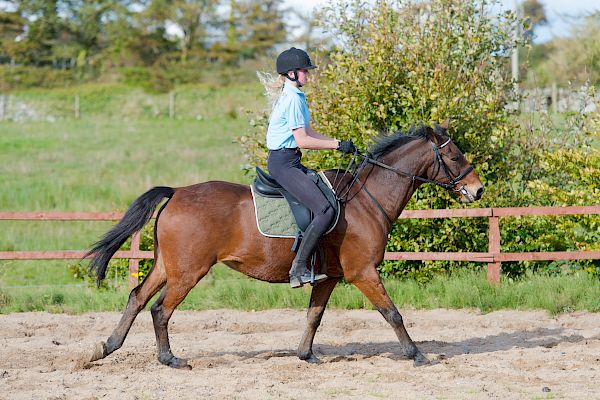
(346, 146)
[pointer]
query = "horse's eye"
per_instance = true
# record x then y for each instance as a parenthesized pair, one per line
(454, 158)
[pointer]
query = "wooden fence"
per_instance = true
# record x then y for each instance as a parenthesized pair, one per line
(493, 257)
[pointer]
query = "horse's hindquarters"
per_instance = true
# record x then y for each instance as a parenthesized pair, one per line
(215, 221)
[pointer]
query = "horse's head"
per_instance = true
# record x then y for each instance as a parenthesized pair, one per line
(450, 167)
(436, 161)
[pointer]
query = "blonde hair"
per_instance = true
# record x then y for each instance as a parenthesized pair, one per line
(273, 86)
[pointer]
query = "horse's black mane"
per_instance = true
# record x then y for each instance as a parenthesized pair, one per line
(388, 142)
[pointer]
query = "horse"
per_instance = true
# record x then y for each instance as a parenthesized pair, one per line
(210, 222)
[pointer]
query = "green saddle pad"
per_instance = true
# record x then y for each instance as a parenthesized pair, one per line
(274, 216)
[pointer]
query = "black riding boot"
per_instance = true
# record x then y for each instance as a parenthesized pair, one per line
(300, 271)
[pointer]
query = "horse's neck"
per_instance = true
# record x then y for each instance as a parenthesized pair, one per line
(392, 190)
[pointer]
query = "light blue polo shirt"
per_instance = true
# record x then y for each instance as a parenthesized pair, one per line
(290, 112)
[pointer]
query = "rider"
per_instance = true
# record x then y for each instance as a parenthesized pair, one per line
(289, 131)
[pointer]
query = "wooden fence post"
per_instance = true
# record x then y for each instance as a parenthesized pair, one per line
(76, 107)
(134, 263)
(554, 98)
(493, 272)
(3, 107)
(172, 105)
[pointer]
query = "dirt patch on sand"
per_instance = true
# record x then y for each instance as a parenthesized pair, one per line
(252, 355)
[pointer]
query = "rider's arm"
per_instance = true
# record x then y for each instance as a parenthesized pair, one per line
(312, 133)
(305, 140)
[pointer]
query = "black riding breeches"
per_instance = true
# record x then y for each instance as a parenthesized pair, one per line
(284, 165)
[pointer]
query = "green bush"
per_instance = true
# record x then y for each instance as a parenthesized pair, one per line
(28, 77)
(136, 76)
(399, 65)
(118, 269)
(4, 299)
(164, 74)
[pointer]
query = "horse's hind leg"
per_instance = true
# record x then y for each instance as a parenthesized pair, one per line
(369, 283)
(172, 295)
(318, 300)
(138, 298)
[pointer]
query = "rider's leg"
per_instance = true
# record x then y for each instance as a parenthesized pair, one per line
(285, 167)
(300, 272)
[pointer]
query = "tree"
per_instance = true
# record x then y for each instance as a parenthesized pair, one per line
(136, 38)
(12, 25)
(61, 30)
(253, 28)
(190, 16)
(89, 19)
(307, 25)
(260, 26)
(43, 30)
(534, 10)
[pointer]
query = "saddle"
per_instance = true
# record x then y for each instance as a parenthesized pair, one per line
(266, 186)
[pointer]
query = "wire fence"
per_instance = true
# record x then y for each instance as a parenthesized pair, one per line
(196, 103)
(209, 101)
(558, 100)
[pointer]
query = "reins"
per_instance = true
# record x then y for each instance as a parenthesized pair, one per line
(438, 163)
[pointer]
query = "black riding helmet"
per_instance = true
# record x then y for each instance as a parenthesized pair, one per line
(292, 60)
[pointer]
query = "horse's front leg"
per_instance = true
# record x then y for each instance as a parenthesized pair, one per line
(318, 300)
(369, 283)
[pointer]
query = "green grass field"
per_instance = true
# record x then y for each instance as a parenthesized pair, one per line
(122, 146)
(224, 288)
(104, 161)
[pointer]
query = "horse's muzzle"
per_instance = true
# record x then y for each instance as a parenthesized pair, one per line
(470, 194)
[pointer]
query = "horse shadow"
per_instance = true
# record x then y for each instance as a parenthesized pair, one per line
(523, 339)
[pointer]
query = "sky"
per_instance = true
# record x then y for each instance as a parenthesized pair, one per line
(561, 14)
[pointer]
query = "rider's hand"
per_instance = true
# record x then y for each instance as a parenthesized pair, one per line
(346, 146)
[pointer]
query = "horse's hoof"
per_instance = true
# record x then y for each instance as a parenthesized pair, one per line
(311, 359)
(420, 360)
(99, 352)
(181, 364)
(175, 362)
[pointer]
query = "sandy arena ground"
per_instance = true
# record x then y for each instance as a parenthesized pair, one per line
(252, 355)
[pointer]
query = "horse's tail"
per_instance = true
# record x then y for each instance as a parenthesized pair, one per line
(138, 214)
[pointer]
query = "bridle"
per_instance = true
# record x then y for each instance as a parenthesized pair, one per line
(438, 164)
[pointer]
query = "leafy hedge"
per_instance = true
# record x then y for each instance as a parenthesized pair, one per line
(28, 77)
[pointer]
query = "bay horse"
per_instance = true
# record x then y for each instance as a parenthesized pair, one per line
(212, 222)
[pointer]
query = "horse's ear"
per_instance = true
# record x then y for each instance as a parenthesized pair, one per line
(445, 124)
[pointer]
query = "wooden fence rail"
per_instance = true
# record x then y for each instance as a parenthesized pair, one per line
(494, 257)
